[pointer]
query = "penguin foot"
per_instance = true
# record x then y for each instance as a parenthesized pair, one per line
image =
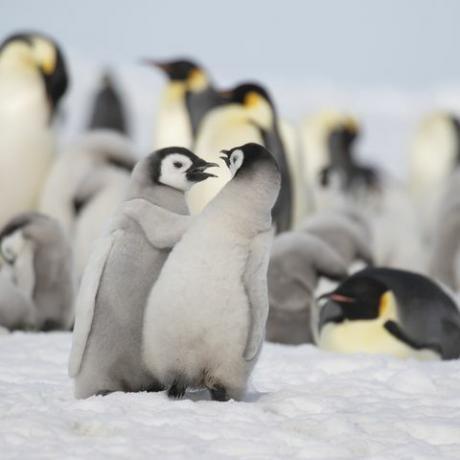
(219, 393)
(177, 390)
(104, 392)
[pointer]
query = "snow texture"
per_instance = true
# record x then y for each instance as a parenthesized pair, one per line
(303, 403)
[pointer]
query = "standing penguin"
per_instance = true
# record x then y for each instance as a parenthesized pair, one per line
(444, 261)
(205, 317)
(108, 111)
(248, 115)
(382, 310)
(33, 79)
(40, 260)
(188, 96)
(435, 153)
(106, 350)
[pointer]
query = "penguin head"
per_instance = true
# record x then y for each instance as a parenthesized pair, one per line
(256, 102)
(27, 230)
(183, 71)
(179, 168)
(37, 51)
(357, 298)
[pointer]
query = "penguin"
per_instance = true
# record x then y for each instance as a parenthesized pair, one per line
(188, 96)
(33, 79)
(444, 261)
(106, 348)
(434, 155)
(396, 312)
(40, 260)
(205, 317)
(297, 262)
(344, 182)
(248, 115)
(86, 184)
(108, 110)
(345, 231)
(324, 249)
(17, 310)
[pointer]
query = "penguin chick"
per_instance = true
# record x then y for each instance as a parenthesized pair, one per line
(297, 262)
(33, 79)
(347, 234)
(86, 184)
(444, 264)
(248, 115)
(108, 110)
(40, 260)
(188, 96)
(382, 310)
(205, 317)
(17, 310)
(106, 349)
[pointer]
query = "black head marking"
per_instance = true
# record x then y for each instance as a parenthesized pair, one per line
(239, 94)
(57, 82)
(252, 154)
(15, 224)
(177, 70)
(357, 298)
(195, 173)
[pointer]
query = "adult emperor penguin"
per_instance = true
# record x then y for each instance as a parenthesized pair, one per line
(381, 310)
(33, 79)
(205, 317)
(108, 109)
(86, 184)
(435, 153)
(248, 115)
(40, 260)
(186, 99)
(444, 261)
(106, 350)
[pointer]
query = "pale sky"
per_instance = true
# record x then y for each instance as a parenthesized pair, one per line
(399, 43)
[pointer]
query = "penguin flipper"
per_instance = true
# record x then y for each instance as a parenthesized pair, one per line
(394, 329)
(255, 284)
(86, 300)
(162, 228)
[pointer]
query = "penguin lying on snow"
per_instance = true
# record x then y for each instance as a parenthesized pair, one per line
(86, 184)
(205, 317)
(33, 79)
(326, 246)
(39, 259)
(106, 351)
(381, 310)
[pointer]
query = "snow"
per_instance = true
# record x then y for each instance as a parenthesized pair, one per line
(303, 403)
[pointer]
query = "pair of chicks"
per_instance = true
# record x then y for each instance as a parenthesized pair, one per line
(170, 301)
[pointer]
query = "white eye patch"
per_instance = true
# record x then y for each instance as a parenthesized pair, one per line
(173, 171)
(12, 246)
(236, 160)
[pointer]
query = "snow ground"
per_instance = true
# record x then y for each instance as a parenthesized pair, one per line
(303, 403)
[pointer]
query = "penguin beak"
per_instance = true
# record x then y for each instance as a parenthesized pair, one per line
(331, 311)
(164, 66)
(197, 172)
(226, 157)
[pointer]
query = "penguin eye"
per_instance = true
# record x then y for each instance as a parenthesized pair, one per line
(177, 164)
